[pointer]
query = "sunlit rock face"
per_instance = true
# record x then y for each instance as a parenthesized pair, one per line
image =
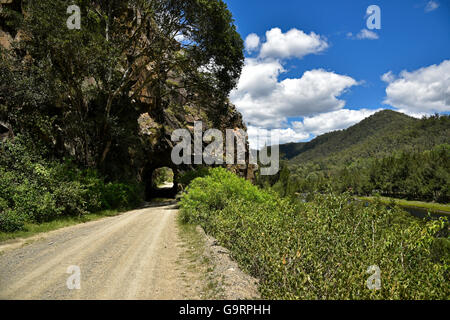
(156, 135)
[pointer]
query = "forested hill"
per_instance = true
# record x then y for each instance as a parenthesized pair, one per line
(379, 135)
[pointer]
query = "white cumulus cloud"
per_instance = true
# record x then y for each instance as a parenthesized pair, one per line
(332, 121)
(310, 126)
(268, 102)
(263, 99)
(423, 91)
(251, 42)
(258, 78)
(294, 43)
(259, 137)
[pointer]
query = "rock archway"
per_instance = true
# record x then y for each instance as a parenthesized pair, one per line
(155, 187)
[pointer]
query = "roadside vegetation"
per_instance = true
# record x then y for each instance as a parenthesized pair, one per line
(72, 102)
(388, 154)
(430, 206)
(323, 248)
(414, 176)
(35, 189)
(32, 228)
(195, 261)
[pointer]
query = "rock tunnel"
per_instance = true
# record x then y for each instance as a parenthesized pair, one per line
(156, 183)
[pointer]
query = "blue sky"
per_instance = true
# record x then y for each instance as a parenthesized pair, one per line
(329, 43)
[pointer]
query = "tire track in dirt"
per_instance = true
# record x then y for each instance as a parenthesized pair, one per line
(131, 256)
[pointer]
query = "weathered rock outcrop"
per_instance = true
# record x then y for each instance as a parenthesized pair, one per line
(156, 141)
(155, 121)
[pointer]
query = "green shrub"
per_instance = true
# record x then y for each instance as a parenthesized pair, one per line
(318, 250)
(35, 189)
(72, 197)
(11, 221)
(186, 178)
(120, 195)
(162, 175)
(214, 191)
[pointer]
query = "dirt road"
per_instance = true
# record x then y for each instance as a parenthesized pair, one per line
(132, 256)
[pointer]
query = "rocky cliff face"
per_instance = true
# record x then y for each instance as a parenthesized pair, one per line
(155, 121)
(156, 128)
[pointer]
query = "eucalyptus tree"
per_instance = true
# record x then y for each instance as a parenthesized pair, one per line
(128, 55)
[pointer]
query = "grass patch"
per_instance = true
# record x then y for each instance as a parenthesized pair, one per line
(32, 229)
(434, 207)
(198, 262)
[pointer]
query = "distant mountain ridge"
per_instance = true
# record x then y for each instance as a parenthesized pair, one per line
(383, 133)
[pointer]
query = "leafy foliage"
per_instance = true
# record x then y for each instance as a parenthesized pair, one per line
(388, 153)
(186, 177)
(162, 175)
(35, 189)
(78, 96)
(410, 175)
(322, 249)
(376, 136)
(82, 91)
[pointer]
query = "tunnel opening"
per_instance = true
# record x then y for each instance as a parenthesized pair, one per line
(161, 183)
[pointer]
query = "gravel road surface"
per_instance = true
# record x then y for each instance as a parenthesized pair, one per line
(131, 256)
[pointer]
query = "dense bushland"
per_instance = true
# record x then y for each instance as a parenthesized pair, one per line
(321, 249)
(79, 96)
(36, 189)
(82, 92)
(423, 176)
(374, 137)
(186, 177)
(389, 153)
(412, 175)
